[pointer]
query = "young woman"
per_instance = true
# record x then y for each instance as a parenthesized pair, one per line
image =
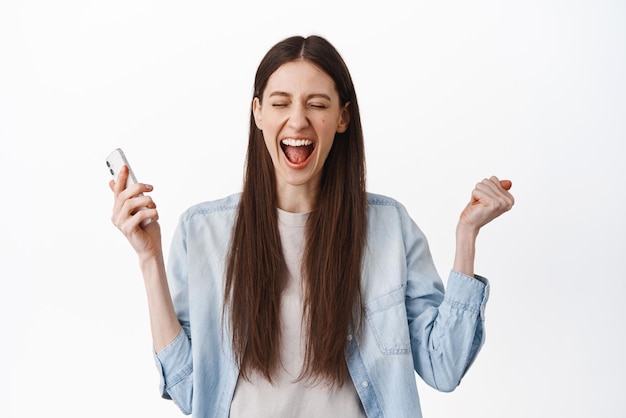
(305, 296)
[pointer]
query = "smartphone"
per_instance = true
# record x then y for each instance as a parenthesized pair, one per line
(115, 161)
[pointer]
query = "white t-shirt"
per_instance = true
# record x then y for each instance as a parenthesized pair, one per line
(286, 396)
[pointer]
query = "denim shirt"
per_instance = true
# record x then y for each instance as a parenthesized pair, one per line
(409, 324)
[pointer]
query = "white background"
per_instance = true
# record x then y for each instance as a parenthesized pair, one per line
(450, 92)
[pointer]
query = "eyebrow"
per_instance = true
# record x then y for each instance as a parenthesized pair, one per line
(310, 96)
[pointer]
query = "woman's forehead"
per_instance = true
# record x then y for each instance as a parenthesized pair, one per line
(300, 77)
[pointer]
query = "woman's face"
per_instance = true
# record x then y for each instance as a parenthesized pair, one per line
(299, 114)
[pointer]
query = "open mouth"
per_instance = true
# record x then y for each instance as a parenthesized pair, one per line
(297, 151)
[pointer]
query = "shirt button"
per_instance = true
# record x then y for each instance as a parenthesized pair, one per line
(364, 384)
(349, 337)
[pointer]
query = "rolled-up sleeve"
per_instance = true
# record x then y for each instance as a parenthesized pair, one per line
(452, 333)
(175, 367)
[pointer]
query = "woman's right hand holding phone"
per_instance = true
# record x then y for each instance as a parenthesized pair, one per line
(131, 210)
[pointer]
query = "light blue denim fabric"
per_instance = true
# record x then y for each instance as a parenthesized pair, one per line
(409, 324)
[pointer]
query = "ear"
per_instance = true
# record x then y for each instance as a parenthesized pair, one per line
(256, 111)
(344, 119)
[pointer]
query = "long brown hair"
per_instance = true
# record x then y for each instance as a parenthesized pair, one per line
(335, 238)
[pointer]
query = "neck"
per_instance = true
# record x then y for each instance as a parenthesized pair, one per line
(296, 199)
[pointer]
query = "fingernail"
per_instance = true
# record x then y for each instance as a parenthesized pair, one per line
(149, 187)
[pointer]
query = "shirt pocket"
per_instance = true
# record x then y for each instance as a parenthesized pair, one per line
(386, 316)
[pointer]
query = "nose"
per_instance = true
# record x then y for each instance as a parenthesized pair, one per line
(298, 119)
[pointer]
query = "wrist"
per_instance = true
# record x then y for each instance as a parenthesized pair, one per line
(151, 265)
(465, 248)
(466, 232)
(148, 259)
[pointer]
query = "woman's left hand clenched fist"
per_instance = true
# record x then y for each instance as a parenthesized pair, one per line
(490, 199)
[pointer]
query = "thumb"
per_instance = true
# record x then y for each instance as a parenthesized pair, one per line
(506, 184)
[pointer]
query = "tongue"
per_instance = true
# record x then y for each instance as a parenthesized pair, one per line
(298, 155)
